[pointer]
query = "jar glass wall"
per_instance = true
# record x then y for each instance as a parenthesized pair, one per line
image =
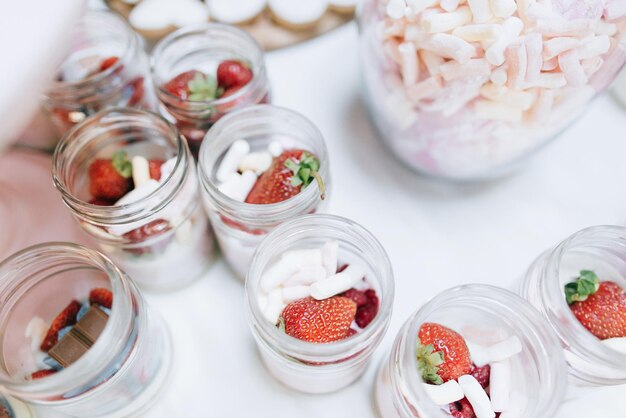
(482, 314)
(320, 367)
(106, 67)
(458, 101)
(119, 375)
(158, 232)
(601, 249)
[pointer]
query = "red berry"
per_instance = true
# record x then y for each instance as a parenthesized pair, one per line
(108, 63)
(232, 73)
(179, 85)
(101, 296)
(106, 182)
(351, 332)
(603, 313)
(356, 295)
(137, 86)
(63, 319)
(462, 409)
(366, 313)
(342, 268)
(39, 374)
(155, 169)
(149, 230)
(456, 356)
(319, 321)
(101, 202)
(481, 374)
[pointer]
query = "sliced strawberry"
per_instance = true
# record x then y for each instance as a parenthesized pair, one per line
(63, 319)
(108, 63)
(101, 296)
(481, 374)
(319, 321)
(242, 227)
(442, 354)
(179, 85)
(149, 230)
(366, 313)
(138, 88)
(110, 179)
(155, 169)
(599, 307)
(356, 295)
(39, 374)
(231, 73)
(289, 173)
(462, 409)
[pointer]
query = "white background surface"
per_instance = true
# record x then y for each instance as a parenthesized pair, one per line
(437, 236)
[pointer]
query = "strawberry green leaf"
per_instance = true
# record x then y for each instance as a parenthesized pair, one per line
(428, 362)
(580, 289)
(121, 164)
(202, 88)
(305, 171)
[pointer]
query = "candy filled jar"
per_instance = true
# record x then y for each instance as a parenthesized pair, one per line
(467, 90)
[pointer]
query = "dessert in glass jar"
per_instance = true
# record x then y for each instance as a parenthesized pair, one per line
(473, 351)
(129, 179)
(94, 349)
(466, 90)
(106, 67)
(202, 72)
(259, 167)
(319, 296)
(579, 286)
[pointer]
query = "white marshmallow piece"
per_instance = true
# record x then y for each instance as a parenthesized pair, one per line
(141, 170)
(274, 306)
(511, 27)
(517, 61)
(540, 111)
(231, 159)
(235, 11)
(534, 61)
(445, 22)
(444, 394)
(478, 33)
(432, 61)
(138, 193)
(516, 98)
(293, 293)
(275, 148)
(572, 70)
(451, 46)
(449, 5)
(307, 275)
(476, 67)
(555, 46)
(503, 8)
(499, 76)
(500, 385)
(481, 10)
(255, 161)
(238, 186)
(617, 344)
(497, 352)
(427, 88)
(615, 9)
(476, 396)
(339, 282)
(409, 63)
(288, 265)
(395, 9)
(488, 109)
(549, 81)
(330, 252)
(167, 169)
(594, 46)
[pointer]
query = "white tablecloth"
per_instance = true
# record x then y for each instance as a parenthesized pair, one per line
(437, 236)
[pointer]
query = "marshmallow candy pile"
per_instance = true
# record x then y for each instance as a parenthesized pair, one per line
(468, 379)
(306, 285)
(506, 68)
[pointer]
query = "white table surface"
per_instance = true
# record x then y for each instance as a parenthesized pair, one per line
(437, 236)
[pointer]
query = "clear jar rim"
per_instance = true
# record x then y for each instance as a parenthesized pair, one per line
(258, 78)
(59, 87)
(294, 347)
(118, 329)
(579, 339)
(130, 212)
(213, 147)
(481, 296)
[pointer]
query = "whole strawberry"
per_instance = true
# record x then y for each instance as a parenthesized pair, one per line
(232, 73)
(289, 173)
(63, 319)
(599, 307)
(101, 296)
(442, 354)
(110, 180)
(319, 321)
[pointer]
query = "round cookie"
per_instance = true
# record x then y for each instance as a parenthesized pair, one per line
(156, 18)
(343, 6)
(235, 11)
(300, 14)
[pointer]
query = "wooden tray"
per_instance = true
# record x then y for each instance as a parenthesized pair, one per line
(266, 31)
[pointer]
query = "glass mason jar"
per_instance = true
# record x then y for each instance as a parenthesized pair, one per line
(121, 374)
(475, 309)
(176, 245)
(314, 367)
(239, 227)
(202, 47)
(91, 79)
(462, 102)
(603, 250)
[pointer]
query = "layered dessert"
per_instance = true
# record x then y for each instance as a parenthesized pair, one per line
(463, 90)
